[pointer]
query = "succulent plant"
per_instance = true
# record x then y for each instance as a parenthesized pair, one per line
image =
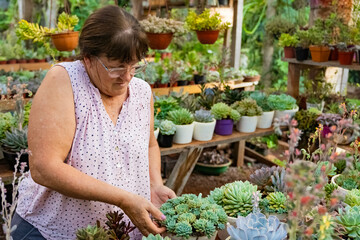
(328, 119)
(349, 180)
(155, 24)
(329, 172)
(92, 233)
(275, 202)
(224, 111)
(306, 121)
(181, 116)
(213, 157)
(247, 107)
(229, 96)
(263, 178)
(15, 140)
(156, 237)
(235, 198)
(257, 226)
(282, 102)
(203, 116)
(261, 100)
(192, 215)
(167, 127)
(329, 189)
(278, 180)
(164, 105)
(118, 229)
(353, 198)
(350, 220)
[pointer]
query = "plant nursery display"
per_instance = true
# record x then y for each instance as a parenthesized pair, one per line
(214, 162)
(283, 105)
(266, 118)
(191, 216)
(207, 25)
(289, 43)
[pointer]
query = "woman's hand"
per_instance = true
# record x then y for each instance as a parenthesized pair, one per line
(160, 194)
(138, 209)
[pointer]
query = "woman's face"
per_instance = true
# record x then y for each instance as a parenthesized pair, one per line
(111, 77)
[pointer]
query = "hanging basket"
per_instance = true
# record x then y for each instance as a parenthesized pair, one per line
(207, 37)
(159, 41)
(65, 41)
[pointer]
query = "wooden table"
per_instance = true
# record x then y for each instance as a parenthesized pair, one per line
(190, 153)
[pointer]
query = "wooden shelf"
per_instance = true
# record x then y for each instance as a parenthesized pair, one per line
(217, 139)
(354, 66)
(192, 89)
(25, 66)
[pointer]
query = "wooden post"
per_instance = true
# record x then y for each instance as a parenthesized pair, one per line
(236, 33)
(25, 9)
(183, 169)
(240, 153)
(137, 9)
(293, 80)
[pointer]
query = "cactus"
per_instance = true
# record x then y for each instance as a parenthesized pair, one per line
(92, 233)
(15, 140)
(204, 116)
(257, 226)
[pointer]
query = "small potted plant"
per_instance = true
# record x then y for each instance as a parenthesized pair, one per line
(251, 75)
(275, 204)
(166, 134)
(192, 217)
(184, 124)
(346, 53)
(206, 25)
(198, 66)
(249, 112)
(204, 125)
(320, 51)
(302, 48)
(225, 117)
(213, 162)
(288, 42)
(14, 141)
(160, 31)
(283, 105)
(266, 118)
(150, 74)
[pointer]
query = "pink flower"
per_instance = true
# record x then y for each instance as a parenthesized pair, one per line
(294, 123)
(287, 153)
(322, 147)
(297, 152)
(333, 128)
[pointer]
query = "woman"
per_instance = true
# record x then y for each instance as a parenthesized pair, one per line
(91, 137)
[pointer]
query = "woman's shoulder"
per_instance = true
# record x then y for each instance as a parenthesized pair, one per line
(140, 85)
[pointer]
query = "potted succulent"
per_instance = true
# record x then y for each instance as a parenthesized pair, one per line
(275, 204)
(204, 125)
(192, 217)
(249, 112)
(347, 181)
(288, 42)
(302, 48)
(184, 124)
(319, 35)
(166, 134)
(283, 105)
(14, 141)
(266, 118)
(213, 162)
(346, 53)
(197, 64)
(206, 25)
(250, 75)
(225, 117)
(160, 31)
(150, 74)
(156, 237)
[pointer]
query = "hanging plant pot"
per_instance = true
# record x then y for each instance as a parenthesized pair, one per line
(159, 41)
(289, 52)
(301, 54)
(65, 41)
(320, 53)
(207, 37)
(346, 58)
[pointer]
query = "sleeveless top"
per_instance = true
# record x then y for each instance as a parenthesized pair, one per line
(117, 155)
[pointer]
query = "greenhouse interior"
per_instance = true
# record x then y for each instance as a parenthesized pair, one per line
(179, 119)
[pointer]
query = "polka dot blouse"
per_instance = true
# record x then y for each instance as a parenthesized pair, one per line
(117, 155)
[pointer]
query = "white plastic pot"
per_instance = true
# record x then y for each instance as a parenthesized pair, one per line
(247, 124)
(223, 234)
(265, 120)
(281, 114)
(156, 133)
(204, 131)
(342, 191)
(183, 133)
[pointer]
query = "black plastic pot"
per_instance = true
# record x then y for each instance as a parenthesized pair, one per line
(199, 79)
(182, 82)
(11, 156)
(302, 53)
(165, 141)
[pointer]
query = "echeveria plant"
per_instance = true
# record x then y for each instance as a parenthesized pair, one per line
(203, 116)
(181, 116)
(282, 102)
(247, 107)
(167, 127)
(224, 111)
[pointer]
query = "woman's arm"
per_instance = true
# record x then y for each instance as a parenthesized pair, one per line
(51, 132)
(159, 192)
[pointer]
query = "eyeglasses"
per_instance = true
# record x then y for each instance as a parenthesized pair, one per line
(118, 72)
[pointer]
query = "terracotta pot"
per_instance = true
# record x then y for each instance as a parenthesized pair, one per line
(65, 41)
(159, 41)
(175, 84)
(301, 53)
(162, 85)
(207, 37)
(334, 54)
(191, 82)
(30, 60)
(252, 79)
(320, 53)
(40, 60)
(21, 60)
(346, 58)
(289, 52)
(11, 61)
(3, 62)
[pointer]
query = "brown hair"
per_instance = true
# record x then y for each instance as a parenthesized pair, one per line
(115, 33)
